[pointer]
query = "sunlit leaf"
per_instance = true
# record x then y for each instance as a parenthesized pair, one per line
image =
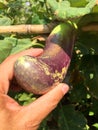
(24, 97)
(5, 49)
(21, 45)
(95, 125)
(78, 3)
(5, 21)
(61, 9)
(2, 5)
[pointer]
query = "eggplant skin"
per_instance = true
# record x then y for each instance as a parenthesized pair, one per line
(40, 74)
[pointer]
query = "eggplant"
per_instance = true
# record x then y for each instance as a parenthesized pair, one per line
(40, 74)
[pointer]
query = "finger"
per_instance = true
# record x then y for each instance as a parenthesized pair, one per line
(31, 52)
(39, 109)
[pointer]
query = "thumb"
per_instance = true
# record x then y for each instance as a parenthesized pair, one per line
(46, 103)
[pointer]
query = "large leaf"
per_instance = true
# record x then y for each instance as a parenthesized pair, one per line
(11, 40)
(70, 119)
(61, 9)
(21, 45)
(5, 21)
(78, 93)
(5, 49)
(11, 45)
(89, 41)
(89, 67)
(2, 5)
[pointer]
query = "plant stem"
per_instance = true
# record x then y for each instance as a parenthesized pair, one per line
(27, 29)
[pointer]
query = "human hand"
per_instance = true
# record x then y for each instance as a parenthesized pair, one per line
(16, 117)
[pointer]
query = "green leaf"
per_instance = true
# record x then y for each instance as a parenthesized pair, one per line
(89, 67)
(95, 125)
(12, 45)
(43, 125)
(89, 41)
(61, 9)
(21, 45)
(5, 21)
(2, 5)
(95, 9)
(5, 49)
(69, 119)
(35, 19)
(78, 93)
(94, 106)
(78, 3)
(24, 97)
(12, 40)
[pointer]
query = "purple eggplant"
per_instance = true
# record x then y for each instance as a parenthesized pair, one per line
(40, 74)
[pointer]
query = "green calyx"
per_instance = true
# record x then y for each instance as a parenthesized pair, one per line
(62, 28)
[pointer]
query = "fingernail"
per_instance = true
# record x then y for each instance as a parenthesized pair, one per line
(65, 88)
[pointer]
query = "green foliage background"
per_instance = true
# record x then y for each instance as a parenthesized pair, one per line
(78, 110)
